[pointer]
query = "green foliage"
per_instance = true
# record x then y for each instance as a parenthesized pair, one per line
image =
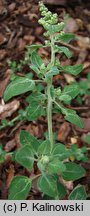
(84, 86)
(34, 111)
(61, 152)
(25, 157)
(18, 86)
(65, 37)
(71, 116)
(19, 188)
(27, 139)
(64, 50)
(41, 99)
(74, 119)
(79, 153)
(78, 193)
(47, 184)
(73, 171)
(56, 166)
(74, 70)
(71, 90)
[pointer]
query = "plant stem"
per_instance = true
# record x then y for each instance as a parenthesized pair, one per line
(49, 115)
(50, 101)
(11, 122)
(52, 51)
(35, 177)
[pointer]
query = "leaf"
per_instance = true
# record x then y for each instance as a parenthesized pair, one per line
(52, 72)
(65, 97)
(71, 90)
(27, 139)
(61, 152)
(56, 166)
(25, 157)
(47, 184)
(34, 111)
(78, 193)
(65, 37)
(36, 59)
(61, 190)
(44, 148)
(79, 153)
(18, 86)
(35, 69)
(36, 97)
(65, 50)
(74, 119)
(19, 188)
(71, 116)
(33, 47)
(74, 70)
(54, 28)
(73, 172)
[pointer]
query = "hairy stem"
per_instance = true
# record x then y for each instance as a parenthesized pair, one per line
(49, 115)
(50, 101)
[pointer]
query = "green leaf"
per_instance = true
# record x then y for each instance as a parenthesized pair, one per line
(56, 166)
(74, 119)
(34, 111)
(71, 90)
(71, 116)
(65, 50)
(36, 59)
(52, 72)
(78, 193)
(73, 172)
(74, 70)
(35, 69)
(61, 190)
(19, 188)
(18, 86)
(25, 157)
(47, 184)
(27, 139)
(65, 98)
(54, 28)
(33, 47)
(65, 37)
(44, 148)
(36, 97)
(60, 151)
(79, 153)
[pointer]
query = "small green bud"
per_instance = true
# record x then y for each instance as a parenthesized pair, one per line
(57, 91)
(47, 42)
(41, 21)
(55, 15)
(43, 13)
(62, 33)
(45, 159)
(42, 66)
